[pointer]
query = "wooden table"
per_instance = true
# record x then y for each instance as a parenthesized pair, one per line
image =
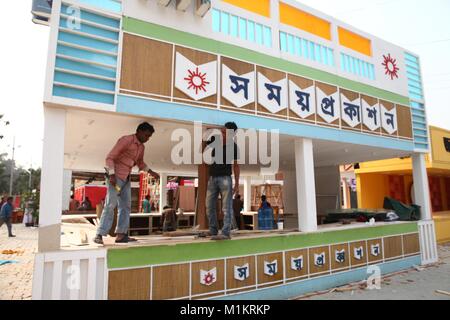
(254, 220)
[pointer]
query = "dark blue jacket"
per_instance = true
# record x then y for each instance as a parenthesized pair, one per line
(6, 211)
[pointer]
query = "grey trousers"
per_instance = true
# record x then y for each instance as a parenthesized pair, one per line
(8, 224)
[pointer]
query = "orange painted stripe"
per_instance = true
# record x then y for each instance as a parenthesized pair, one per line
(355, 42)
(261, 7)
(304, 21)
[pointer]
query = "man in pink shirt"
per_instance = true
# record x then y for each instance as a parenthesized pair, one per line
(127, 153)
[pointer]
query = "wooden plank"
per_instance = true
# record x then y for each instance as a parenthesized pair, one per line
(340, 265)
(404, 122)
(392, 247)
(170, 282)
(354, 261)
(264, 278)
(146, 65)
(370, 257)
(291, 273)
(313, 269)
(411, 244)
(232, 283)
(133, 284)
(218, 286)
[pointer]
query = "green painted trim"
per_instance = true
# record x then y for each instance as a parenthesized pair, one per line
(187, 39)
(164, 254)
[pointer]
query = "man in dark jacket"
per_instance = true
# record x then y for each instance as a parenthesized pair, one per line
(6, 214)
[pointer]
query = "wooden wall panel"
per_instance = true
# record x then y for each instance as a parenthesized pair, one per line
(411, 244)
(240, 68)
(290, 273)
(170, 282)
(303, 83)
(329, 90)
(389, 106)
(199, 58)
(355, 262)
(371, 101)
(274, 76)
(262, 277)
(131, 284)
(146, 65)
(340, 265)
(232, 283)
(219, 285)
(351, 95)
(313, 269)
(374, 259)
(392, 247)
(404, 122)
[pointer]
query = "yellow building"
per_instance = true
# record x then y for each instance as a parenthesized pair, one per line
(393, 178)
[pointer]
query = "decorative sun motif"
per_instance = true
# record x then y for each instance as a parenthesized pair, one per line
(390, 64)
(209, 278)
(197, 80)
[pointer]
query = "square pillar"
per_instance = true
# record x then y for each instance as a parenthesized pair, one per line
(306, 185)
(421, 186)
(52, 180)
(247, 194)
(162, 191)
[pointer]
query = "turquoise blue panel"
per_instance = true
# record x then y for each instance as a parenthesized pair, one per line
(86, 55)
(83, 95)
(421, 146)
(342, 62)
(298, 46)
(268, 37)
(167, 110)
(415, 96)
(291, 47)
(84, 81)
(317, 53)
(324, 55)
(347, 63)
(412, 71)
(85, 15)
(415, 90)
(216, 20)
(420, 139)
(84, 67)
(417, 105)
(259, 34)
(251, 31)
(330, 56)
(312, 50)
(420, 113)
(372, 71)
(283, 42)
(87, 42)
(419, 125)
(109, 5)
(305, 49)
(415, 83)
(224, 22)
(412, 65)
(352, 65)
(365, 67)
(357, 68)
(418, 118)
(242, 29)
(234, 26)
(89, 30)
(411, 57)
(420, 132)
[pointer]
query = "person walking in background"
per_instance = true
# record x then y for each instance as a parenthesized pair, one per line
(6, 215)
(238, 205)
(73, 204)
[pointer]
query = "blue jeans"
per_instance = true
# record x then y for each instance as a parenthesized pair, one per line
(224, 186)
(112, 200)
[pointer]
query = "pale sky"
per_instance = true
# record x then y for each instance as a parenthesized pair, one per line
(420, 26)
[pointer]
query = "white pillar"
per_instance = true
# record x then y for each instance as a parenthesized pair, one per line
(67, 184)
(247, 194)
(306, 186)
(421, 187)
(162, 191)
(345, 193)
(52, 180)
(427, 233)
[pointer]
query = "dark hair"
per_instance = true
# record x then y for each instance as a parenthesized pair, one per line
(145, 126)
(263, 198)
(231, 126)
(166, 207)
(10, 199)
(147, 197)
(238, 196)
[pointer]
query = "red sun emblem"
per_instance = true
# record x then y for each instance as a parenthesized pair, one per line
(209, 278)
(390, 65)
(197, 80)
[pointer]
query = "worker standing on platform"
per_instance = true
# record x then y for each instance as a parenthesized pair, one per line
(220, 181)
(127, 153)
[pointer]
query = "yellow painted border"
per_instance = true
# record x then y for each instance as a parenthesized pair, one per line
(355, 42)
(261, 7)
(304, 21)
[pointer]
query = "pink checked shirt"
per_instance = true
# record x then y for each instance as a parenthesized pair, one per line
(127, 153)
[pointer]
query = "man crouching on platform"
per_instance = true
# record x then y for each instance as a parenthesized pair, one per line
(127, 153)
